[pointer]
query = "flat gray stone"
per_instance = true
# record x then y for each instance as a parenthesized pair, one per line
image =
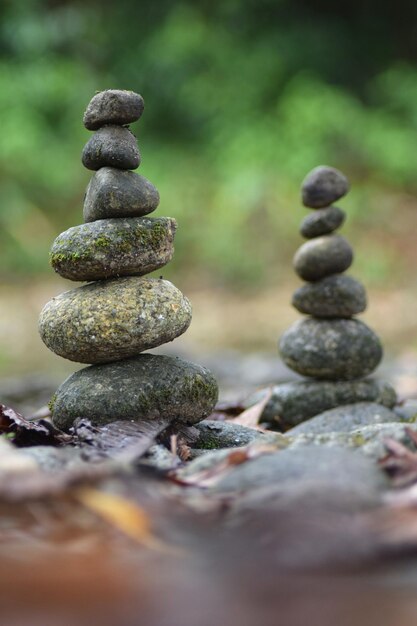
(323, 256)
(345, 419)
(114, 247)
(114, 319)
(322, 222)
(293, 403)
(337, 349)
(113, 106)
(323, 186)
(214, 435)
(333, 296)
(118, 193)
(143, 388)
(113, 146)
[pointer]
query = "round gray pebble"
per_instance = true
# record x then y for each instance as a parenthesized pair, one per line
(338, 349)
(147, 387)
(322, 222)
(114, 319)
(323, 186)
(323, 256)
(334, 296)
(113, 146)
(119, 193)
(113, 106)
(115, 247)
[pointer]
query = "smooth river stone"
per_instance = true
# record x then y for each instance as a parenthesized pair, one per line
(322, 222)
(113, 106)
(114, 319)
(113, 146)
(323, 186)
(118, 193)
(295, 402)
(146, 387)
(116, 247)
(338, 349)
(323, 256)
(333, 296)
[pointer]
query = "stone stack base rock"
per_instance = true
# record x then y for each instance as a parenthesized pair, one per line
(110, 322)
(331, 347)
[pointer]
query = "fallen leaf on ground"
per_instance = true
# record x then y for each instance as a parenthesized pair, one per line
(400, 463)
(251, 416)
(26, 433)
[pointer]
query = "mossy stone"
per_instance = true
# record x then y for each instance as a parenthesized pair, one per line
(323, 186)
(118, 193)
(322, 222)
(333, 296)
(114, 247)
(323, 256)
(147, 387)
(113, 106)
(337, 349)
(114, 319)
(113, 146)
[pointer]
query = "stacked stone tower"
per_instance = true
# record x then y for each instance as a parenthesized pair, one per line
(109, 322)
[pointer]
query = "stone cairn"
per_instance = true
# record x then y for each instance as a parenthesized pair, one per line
(108, 323)
(333, 349)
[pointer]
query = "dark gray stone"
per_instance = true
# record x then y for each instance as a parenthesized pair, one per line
(323, 256)
(114, 319)
(217, 434)
(322, 222)
(143, 388)
(113, 106)
(293, 403)
(113, 146)
(118, 193)
(345, 419)
(114, 247)
(323, 186)
(337, 349)
(334, 296)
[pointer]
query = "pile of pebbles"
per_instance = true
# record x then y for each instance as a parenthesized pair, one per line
(108, 323)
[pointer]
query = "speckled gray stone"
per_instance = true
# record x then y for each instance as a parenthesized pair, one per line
(215, 434)
(143, 388)
(323, 256)
(113, 146)
(114, 319)
(113, 106)
(323, 186)
(334, 296)
(322, 222)
(293, 403)
(346, 418)
(338, 349)
(114, 247)
(118, 193)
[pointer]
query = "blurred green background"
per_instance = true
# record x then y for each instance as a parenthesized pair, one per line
(242, 99)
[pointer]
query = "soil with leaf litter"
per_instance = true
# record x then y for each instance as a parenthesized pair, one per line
(220, 523)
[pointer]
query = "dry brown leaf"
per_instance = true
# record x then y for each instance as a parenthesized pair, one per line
(250, 417)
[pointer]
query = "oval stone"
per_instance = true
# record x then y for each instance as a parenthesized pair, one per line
(113, 146)
(336, 349)
(322, 222)
(113, 106)
(333, 296)
(323, 256)
(115, 247)
(114, 319)
(323, 186)
(147, 387)
(119, 193)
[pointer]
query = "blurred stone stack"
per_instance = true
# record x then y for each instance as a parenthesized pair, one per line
(331, 347)
(108, 323)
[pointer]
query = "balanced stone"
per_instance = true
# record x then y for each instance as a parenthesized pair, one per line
(113, 106)
(292, 403)
(323, 186)
(338, 349)
(114, 247)
(113, 146)
(114, 319)
(119, 193)
(334, 296)
(323, 256)
(322, 222)
(147, 387)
